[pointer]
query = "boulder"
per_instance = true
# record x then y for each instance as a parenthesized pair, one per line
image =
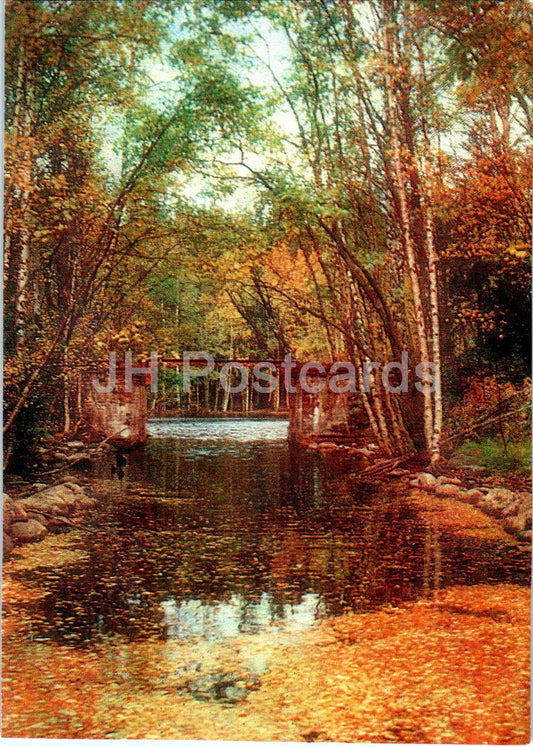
(525, 536)
(524, 501)
(497, 501)
(512, 508)
(37, 517)
(84, 502)
(327, 446)
(514, 525)
(443, 480)
(59, 500)
(80, 461)
(58, 524)
(448, 490)
(426, 480)
(28, 531)
(45, 502)
(74, 488)
(8, 512)
(63, 493)
(7, 545)
(476, 469)
(19, 511)
(472, 496)
(501, 494)
(70, 479)
(526, 516)
(75, 445)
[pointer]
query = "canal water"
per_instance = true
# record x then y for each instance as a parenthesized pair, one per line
(220, 529)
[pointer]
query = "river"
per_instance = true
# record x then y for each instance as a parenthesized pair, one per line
(220, 536)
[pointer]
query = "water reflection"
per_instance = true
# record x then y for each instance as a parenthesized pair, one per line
(222, 529)
(192, 618)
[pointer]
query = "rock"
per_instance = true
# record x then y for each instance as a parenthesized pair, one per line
(8, 512)
(65, 494)
(46, 502)
(514, 525)
(58, 524)
(39, 486)
(37, 517)
(87, 503)
(465, 462)
(19, 511)
(327, 446)
(74, 479)
(365, 453)
(501, 494)
(524, 501)
(313, 445)
(75, 444)
(426, 480)
(7, 545)
(227, 688)
(472, 496)
(28, 531)
(414, 483)
(74, 488)
(496, 501)
(443, 480)
(58, 500)
(526, 516)
(525, 536)
(476, 469)
(512, 508)
(448, 490)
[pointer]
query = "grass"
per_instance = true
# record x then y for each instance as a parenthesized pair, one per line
(513, 456)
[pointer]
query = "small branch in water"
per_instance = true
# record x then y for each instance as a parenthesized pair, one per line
(387, 465)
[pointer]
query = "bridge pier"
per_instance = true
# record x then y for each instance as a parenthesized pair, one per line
(328, 416)
(119, 416)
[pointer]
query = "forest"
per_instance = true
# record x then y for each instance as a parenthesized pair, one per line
(335, 180)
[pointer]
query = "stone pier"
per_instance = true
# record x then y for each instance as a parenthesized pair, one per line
(328, 416)
(119, 415)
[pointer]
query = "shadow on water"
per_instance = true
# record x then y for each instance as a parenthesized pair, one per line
(221, 529)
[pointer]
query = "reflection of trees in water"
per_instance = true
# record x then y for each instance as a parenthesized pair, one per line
(270, 540)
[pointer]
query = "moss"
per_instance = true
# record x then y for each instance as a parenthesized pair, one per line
(513, 456)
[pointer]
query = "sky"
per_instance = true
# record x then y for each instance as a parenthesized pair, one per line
(269, 48)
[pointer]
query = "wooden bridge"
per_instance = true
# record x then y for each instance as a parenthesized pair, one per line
(121, 413)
